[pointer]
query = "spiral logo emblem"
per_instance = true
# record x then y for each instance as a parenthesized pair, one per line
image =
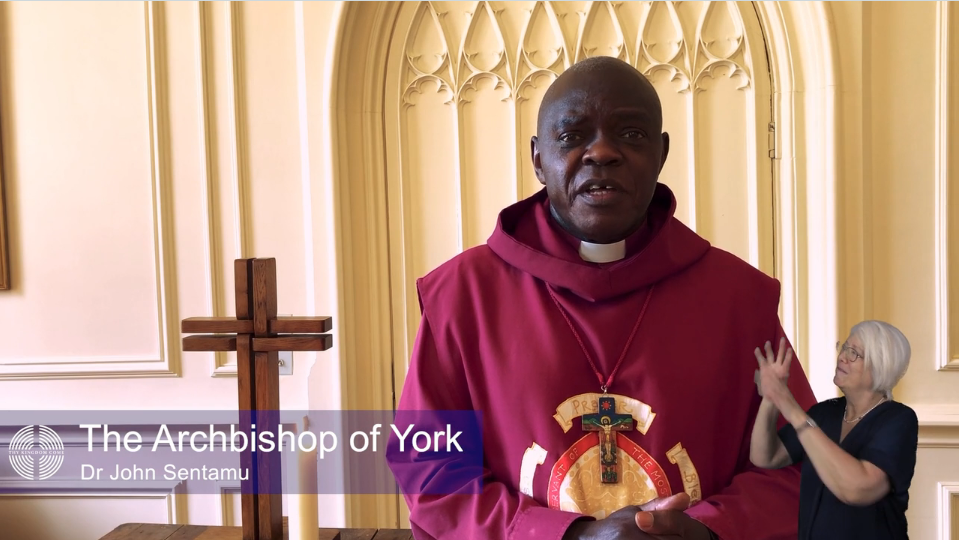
(36, 452)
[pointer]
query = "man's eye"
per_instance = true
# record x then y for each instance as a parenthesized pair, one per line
(634, 134)
(568, 137)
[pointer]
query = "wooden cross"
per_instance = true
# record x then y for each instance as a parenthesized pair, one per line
(257, 335)
(607, 423)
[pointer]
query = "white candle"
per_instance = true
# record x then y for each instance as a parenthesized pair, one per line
(303, 502)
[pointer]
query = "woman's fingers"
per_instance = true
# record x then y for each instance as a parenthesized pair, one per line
(759, 357)
(782, 359)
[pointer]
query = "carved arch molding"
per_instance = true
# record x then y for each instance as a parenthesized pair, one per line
(455, 43)
(418, 87)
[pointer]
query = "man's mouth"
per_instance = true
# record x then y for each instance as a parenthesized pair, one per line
(599, 192)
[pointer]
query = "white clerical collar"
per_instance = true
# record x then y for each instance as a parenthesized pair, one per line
(602, 253)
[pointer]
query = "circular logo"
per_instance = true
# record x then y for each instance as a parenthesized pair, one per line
(36, 452)
(575, 485)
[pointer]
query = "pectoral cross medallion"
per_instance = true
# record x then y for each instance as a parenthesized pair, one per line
(606, 422)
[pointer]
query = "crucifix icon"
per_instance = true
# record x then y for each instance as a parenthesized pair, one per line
(607, 423)
(257, 335)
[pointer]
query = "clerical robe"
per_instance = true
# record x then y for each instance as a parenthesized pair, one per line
(493, 339)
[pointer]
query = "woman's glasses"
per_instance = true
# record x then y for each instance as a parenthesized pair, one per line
(852, 353)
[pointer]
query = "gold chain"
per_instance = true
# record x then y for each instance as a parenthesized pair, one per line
(861, 415)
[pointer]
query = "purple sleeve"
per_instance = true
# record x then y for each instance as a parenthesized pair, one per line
(462, 505)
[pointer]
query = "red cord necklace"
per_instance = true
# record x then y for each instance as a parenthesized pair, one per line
(604, 384)
(605, 422)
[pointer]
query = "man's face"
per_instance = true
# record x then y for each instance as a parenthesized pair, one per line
(599, 153)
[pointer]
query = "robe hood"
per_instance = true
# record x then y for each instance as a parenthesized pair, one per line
(529, 239)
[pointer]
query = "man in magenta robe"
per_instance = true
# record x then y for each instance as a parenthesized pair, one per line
(608, 347)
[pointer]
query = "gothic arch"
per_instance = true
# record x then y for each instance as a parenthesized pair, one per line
(802, 60)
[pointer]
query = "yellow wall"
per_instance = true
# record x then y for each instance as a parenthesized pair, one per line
(140, 160)
(896, 243)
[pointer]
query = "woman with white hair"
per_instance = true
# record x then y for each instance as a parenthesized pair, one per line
(858, 452)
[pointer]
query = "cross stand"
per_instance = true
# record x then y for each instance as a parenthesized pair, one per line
(257, 335)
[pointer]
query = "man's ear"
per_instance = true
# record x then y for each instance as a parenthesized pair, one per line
(537, 164)
(662, 162)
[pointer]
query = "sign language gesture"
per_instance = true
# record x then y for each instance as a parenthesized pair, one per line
(773, 373)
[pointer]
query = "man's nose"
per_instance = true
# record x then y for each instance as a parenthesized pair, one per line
(602, 151)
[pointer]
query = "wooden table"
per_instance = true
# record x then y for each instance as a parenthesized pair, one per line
(154, 531)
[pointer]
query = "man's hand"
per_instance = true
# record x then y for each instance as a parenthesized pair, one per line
(657, 519)
(671, 524)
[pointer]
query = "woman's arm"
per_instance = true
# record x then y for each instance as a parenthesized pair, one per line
(854, 482)
(766, 450)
